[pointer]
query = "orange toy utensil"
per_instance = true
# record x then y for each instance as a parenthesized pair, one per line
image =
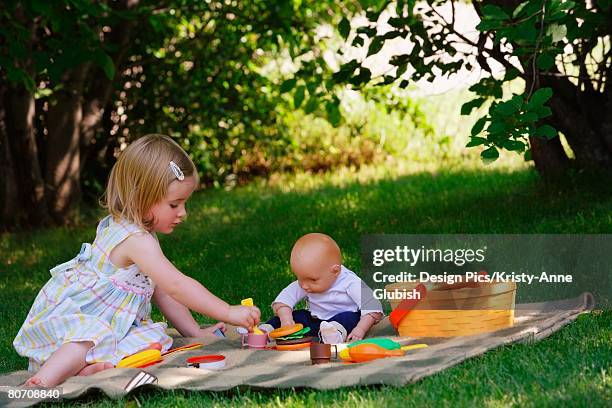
(368, 352)
(396, 316)
(184, 348)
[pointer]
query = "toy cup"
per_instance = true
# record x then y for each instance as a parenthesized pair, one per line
(321, 353)
(254, 340)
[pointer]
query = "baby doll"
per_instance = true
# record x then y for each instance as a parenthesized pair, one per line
(341, 307)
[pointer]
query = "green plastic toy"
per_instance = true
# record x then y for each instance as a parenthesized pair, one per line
(381, 342)
(297, 335)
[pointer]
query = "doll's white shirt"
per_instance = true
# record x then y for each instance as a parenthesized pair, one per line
(347, 294)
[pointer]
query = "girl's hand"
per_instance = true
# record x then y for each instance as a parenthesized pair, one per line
(245, 316)
(210, 331)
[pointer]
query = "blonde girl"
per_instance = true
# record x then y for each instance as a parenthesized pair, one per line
(95, 309)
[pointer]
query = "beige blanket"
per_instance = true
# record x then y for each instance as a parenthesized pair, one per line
(284, 369)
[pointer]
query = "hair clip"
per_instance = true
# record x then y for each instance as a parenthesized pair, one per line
(177, 171)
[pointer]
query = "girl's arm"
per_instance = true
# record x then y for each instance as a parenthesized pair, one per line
(176, 313)
(145, 252)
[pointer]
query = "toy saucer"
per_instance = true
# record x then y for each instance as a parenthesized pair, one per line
(301, 340)
(285, 331)
(207, 362)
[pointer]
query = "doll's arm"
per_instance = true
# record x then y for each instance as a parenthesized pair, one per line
(364, 325)
(145, 252)
(286, 300)
(284, 313)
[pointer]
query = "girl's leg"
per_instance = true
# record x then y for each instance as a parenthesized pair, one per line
(67, 361)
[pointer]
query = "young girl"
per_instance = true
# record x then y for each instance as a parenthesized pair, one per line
(95, 309)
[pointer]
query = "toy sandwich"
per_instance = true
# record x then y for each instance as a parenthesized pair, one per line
(293, 337)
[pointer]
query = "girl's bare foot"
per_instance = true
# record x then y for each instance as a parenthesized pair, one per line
(35, 382)
(95, 368)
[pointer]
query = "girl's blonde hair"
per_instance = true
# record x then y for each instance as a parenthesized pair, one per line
(141, 177)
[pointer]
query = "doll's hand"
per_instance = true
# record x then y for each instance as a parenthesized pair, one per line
(210, 331)
(289, 322)
(356, 334)
(245, 316)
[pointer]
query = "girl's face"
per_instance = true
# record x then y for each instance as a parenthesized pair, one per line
(171, 211)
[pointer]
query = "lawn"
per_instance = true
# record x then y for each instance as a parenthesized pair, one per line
(237, 244)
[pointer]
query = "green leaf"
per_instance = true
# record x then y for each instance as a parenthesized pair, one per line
(311, 105)
(344, 28)
(287, 85)
(496, 127)
(375, 46)
(527, 155)
(358, 41)
(557, 32)
(546, 61)
(546, 131)
(492, 12)
(105, 62)
(510, 107)
(476, 141)
(333, 112)
(468, 107)
(519, 8)
(540, 96)
(489, 155)
(514, 145)
(511, 74)
(298, 97)
(478, 126)
(404, 83)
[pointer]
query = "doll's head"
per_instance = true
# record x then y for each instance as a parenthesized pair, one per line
(150, 183)
(316, 262)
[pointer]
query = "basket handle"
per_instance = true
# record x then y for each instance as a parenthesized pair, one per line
(406, 305)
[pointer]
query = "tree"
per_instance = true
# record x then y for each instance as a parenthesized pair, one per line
(81, 78)
(58, 64)
(561, 49)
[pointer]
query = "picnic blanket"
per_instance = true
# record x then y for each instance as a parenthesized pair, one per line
(293, 369)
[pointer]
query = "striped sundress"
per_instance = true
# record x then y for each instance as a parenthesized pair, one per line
(90, 299)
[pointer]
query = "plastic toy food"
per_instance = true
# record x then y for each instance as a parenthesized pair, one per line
(297, 335)
(382, 342)
(142, 359)
(285, 331)
(368, 352)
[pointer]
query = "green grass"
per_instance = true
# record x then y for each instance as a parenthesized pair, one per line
(237, 244)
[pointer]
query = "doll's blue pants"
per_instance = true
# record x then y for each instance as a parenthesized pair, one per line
(347, 319)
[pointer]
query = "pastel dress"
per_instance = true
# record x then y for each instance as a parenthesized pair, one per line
(90, 299)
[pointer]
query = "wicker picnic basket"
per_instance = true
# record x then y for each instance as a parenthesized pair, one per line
(458, 312)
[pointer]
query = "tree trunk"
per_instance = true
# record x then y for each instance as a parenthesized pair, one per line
(63, 146)
(9, 190)
(550, 159)
(98, 95)
(580, 116)
(30, 208)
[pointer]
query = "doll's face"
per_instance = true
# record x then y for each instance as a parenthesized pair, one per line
(315, 261)
(315, 279)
